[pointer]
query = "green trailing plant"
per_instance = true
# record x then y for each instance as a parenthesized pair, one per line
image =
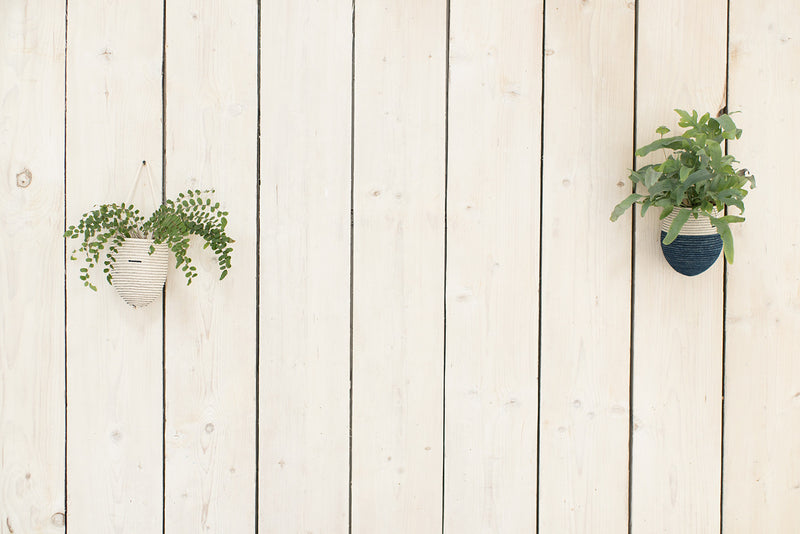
(694, 175)
(103, 230)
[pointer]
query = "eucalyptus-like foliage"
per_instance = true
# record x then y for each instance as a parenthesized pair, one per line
(103, 230)
(695, 175)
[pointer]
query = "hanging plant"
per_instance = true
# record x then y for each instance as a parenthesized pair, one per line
(134, 251)
(692, 185)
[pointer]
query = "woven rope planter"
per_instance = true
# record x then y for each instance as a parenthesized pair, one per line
(139, 276)
(695, 249)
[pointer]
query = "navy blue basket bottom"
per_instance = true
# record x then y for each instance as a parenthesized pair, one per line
(692, 254)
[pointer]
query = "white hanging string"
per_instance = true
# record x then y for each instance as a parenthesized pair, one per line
(129, 199)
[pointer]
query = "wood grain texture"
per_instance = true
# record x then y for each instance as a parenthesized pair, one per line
(677, 320)
(398, 266)
(306, 57)
(761, 483)
(114, 356)
(211, 121)
(492, 266)
(586, 275)
(31, 267)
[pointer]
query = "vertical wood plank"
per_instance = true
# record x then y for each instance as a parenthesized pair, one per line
(306, 58)
(31, 267)
(586, 275)
(761, 484)
(492, 266)
(211, 122)
(677, 320)
(398, 266)
(114, 371)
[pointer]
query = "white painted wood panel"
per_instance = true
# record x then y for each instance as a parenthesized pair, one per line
(114, 356)
(761, 483)
(677, 363)
(296, 315)
(31, 267)
(306, 57)
(586, 267)
(212, 97)
(492, 266)
(398, 266)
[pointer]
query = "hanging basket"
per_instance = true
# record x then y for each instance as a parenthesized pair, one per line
(139, 276)
(696, 247)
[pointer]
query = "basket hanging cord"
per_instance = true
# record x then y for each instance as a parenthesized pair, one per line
(144, 165)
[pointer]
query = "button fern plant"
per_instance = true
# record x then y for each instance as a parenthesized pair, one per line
(695, 176)
(103, 230)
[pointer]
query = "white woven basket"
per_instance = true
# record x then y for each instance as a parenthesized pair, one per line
(139, 276)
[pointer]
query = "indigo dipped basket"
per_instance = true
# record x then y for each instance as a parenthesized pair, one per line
(696, 247)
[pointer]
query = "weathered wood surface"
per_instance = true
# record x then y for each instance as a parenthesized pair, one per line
(306, 55)
(114, 356)
(31, 267)
(262, 427)
(586, 276)
(677, 337)
(398, 266)
(494, 146)
(210, 326)
(761, 483)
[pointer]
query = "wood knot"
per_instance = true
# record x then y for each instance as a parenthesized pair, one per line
(209, 428)
(24, 178)
(58, 519)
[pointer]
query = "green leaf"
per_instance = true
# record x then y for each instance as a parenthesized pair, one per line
(662, 130)
(677, 224)
(721, 224)
(727, 123)
(624, 205)
(673, 143)
(646, 205)
(684, 173)
(694, 178)
(686, 119)
(727, 219)
(731, 197)
(651, 176)
(715, 152)
(662, 185)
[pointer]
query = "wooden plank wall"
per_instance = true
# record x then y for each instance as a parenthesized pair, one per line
(677, 321)
(589, 60)
(761, 467)
(430, 325)
(211, 104)
(304, 401)
(32, 381)
(114, 356)
(400, 59)
(494, 150)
